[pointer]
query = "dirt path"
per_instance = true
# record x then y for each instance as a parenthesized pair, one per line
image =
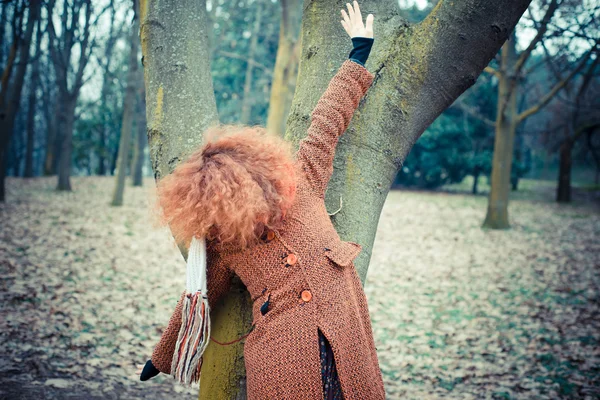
(457, 312)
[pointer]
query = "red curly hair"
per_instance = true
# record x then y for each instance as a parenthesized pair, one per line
(239, 182)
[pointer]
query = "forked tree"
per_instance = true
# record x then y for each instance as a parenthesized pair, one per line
(419, 71)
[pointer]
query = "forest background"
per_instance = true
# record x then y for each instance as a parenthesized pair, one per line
(76, 180)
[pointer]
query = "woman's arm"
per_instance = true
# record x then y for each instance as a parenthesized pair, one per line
(335, 108)
(218, 280)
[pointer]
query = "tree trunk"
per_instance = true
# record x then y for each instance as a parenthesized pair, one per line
(247, 100)
(10, 92)
(52, 144)
(140, 142)
(476, 173)
(129, 108)
(66, 121)
(497, 212)
(30, 126)
(180, 102)
(112, 37)
(33, 86)
(69, 76)
(514, 182)
(563, 192)
(420, 70)
(286, 66)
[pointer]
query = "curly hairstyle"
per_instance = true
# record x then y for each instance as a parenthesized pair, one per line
(239, 182)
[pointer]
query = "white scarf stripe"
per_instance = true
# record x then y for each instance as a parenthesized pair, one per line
(196, 266)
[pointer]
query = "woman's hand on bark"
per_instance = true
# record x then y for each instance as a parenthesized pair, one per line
(353, 22)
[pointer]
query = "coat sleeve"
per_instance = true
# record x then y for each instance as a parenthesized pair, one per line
(329, 121)
(218, 282)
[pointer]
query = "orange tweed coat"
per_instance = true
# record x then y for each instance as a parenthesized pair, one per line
(307, 273)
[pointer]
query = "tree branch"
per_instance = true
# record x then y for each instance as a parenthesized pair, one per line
(245, 59)
(546, 99)
(541, 31)
(491, 70)
(472, 111)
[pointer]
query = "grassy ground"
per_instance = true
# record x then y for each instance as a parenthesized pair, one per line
(458, 312)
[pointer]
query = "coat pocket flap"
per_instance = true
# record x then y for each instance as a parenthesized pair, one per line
(343, 253)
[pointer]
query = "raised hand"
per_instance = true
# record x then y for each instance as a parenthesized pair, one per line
(353, 22)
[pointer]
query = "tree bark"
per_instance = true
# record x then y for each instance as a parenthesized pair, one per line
(419, 71)
(129, 107)
(247, 100)
(286, 66)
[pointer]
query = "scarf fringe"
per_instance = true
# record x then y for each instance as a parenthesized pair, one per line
(193, 338)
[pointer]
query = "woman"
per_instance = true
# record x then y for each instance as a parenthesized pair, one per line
(263, 215)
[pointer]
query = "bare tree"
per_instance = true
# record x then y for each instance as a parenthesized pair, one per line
(509, 74)
(115, 32)
(129, 108)
(74, 33)
(13, 76)
(583, 116)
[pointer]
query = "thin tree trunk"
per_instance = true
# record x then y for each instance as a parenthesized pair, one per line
(286, 66)
(247, 100)
(3, 12)
(563, 192)
(595, 156)
(129, 108)
(107, 76)
(51, 138)
(474, 189)
(66, 121)
(2, 174)
(28, 173)
(138, 155)
(497, 212)
(53, 143)
(31, 109)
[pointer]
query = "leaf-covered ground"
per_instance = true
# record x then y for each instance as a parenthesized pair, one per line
(458, 312)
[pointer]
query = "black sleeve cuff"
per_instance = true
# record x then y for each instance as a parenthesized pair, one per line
(361, 50)
(149, 371)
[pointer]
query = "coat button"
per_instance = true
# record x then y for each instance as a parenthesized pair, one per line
(270, 236)
(291, 259)
(306, 295)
